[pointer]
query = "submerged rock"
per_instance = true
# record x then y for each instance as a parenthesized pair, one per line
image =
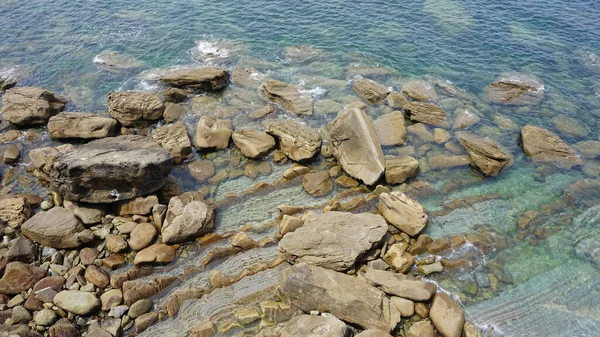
(403, 212)
(419, 90)
(391, 128)
(349, 298)
(204, 78)
(247, 77)
(317, 183)
(188, 216)
(301, 54)
(67, 125)
(290, 97)
(334, 240)
(544, 146)
(485, 154)
(135, 108)
(111, 169)
(400, 285)
(111, 59)
(253, 143)
(516, 89)
(427, 113)
(298, 142)
(212, 133)
(30, 105)
(370, 91)
(56, 228)
(356, 146)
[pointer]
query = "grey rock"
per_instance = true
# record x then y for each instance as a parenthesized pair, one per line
(56, 228)
(485, 154)
(515, 89)
(77, 302)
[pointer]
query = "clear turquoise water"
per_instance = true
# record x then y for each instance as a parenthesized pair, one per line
(466, 42)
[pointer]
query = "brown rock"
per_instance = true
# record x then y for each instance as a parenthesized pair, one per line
(398, 258)
(56, 228)
(396, 100)
(135, 108)
(114, 261)
(142, 236)
(290, 97)
(445, 162)
(188, 217)
(212, 133)
(447, 316)
(202, 169)
(298, 142)
(97, 276)
(419, 90)
(399, 169)
(421, 329)
(15, 211)
(19, 277)
(12, 154)
(174, 138)
(115, 243)
(485, 154)
(317, 183)
(391, 128)
(203, 78)
(51, 282)
(545, 147)
(370, 91)
(143, 322)
(156, 254)
(253, 143)
(515, 89)
(88, 255)
(64, 328)
(402, 212)
(68, 125)
(427, 113)
(400, 285)
(30, 105)
(137, 206)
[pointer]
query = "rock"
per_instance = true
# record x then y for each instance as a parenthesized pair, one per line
(142, 236)
(69, 125)
(113, 60)
(419, 90)
(317, 183)
(485, 154)
(156, 254)
(247, 77)
(262, 112)
(77, 302)
(189, 216)
(346, 181)
(390, 128)
(87, 214)
(290, 97)
(174, 138)
(373, 333)
(15, 211)
(143, 322)
(56, 228)
(111, 169)
(202, 169)
(327, 107)
(515, 89)
(400, 285)
(419, 133)
(20, 330)
(135, 109)
(319, 242)
(426, 269)
(20, 315)
(421, 329)
(288, 224)
(88, 255)
(111, 298)
(115, 243)
(447, 315)
(441, 136)
(22, 250)
(45, 317)
(297, 141)
(243, 241)
(398, 258)
(545, 147)
(253, 143)
(399, 169)
(356, 146)
(406, 307)
(396, 100)
(349, 298)
(173, 112)
(30, 106)
(97, 276)
(465, 118)
(54, 283)
(301, 54)
(589, 149)
(444, 161)
(583, 192)
(570, 127)
(203, 78)
(315, 326)
(402, 212)
(137, 206)
(64, 328)
(12, 154)
(370, 91)
(427, 113)
(212, 133)
(139, 308)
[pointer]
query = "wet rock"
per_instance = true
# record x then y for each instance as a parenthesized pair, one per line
(139, 308)
(135, 108)
(465, 118)
(390, 128)
(143, 322)
(427, 113)
(440, 136)
(262, 112)
(156, 254)
(419, 133)
(327, 107)
(56, 228)
(444, 161)
(317, 183)
(421, 329)
(142, 236)
(290, 97)
(301, 54)
(202, 169)
(30, 105)
(77, 302)
(298, 142)
(87, 214)
(253, 143)
(356, 146)
(111, 169)
(319, 241)
(204, 78)
(69, 125)
(346, 181)
(583, 192)
(247, 77)
(370, 91)
(399, 169)
(97, 276)
(515, 89)
(12, 154)
(349, 298)
(402, 212)
(22, 250)
(396, 100)
(19, 277)
(589, 149)
(212, 133)
(570, 127)
(485, 154)
(400, 285)
(447, 316)
(545, 147)
(288, 224)
(113, 60)
(173, 112)
(54, 283)
(174, 138)
(398, 258)
(419, 90)
(188, 216)
(15, 211)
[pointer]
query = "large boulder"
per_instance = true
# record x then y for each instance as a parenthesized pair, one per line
(356, 146)
(111, 169)
(175, 139)
(56, 228)
(212, 133)
(427, 113)
(297, 141)
(135, 108)
(30, 105)
(253, 143)
(334, 240)
(290, 97)
(485, 154)
(545, 147)
(204, 78)
(188, 216)
(391, 128)
(370, 90)
(515, 89)
(79, 125)
(349, 298)
(402, 212)
(447, 316)
(19, 277)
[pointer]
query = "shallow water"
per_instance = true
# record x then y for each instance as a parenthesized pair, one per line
(53, 44)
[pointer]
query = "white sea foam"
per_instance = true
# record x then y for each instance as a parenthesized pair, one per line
(210, 50)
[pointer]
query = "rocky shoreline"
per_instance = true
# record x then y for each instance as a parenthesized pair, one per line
(98, 255)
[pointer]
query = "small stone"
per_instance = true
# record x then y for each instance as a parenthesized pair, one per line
(111, 299)
(406, 307)
(398, 258)
(427, 269)
(97, 276)
(145, 320)
(155, 254)
(142, 236)
(88, 256)
(421, 329)
(317, 183)
(115, 243)
(139, 308)
(12, 154)
(243, 241)
(288, 224)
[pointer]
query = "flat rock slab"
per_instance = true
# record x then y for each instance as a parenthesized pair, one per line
(30, 105)
(485, 154)
(19, 277)
(253, 143)
(333, 240)
(290, 97)
(370, 90)
(515, 89)
(297, 141)
(545, 147)
(204, 78)
(427, 113)
(56, 228)
(111, 169)
(133, 108)
(402, 212)
(69, 125)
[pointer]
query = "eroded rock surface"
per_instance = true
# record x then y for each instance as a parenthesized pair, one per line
(253, 143)
(204, 78)
(30, 105)
(485, 154)
(545, 147)
(290, 97)
(427, 113)
(79, 125)
(297, 141)
(188, 217)
(135, 108)
(370, 90)
(516, 89)
(404, 213)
